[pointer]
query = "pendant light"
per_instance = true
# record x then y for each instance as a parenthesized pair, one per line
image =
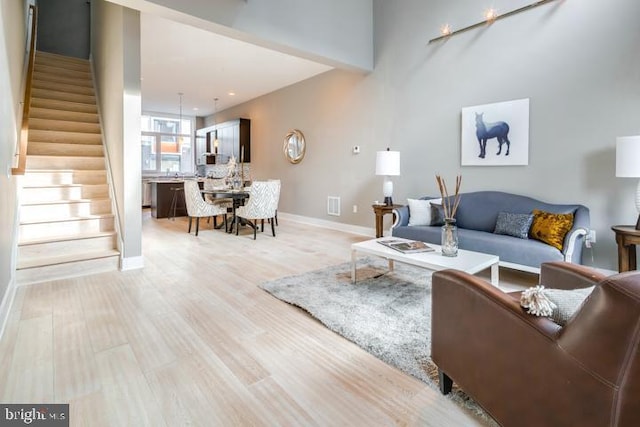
(179, 130)
(216, 142)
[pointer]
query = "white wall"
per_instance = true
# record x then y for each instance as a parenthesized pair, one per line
(576, 61)
(334, 32)
(115, 51)
(13, 31)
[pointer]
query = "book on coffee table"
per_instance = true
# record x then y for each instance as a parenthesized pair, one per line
(406, 247)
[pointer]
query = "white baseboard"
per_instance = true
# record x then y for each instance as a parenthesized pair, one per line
(5, 306)
(132, 263)
(347, 228)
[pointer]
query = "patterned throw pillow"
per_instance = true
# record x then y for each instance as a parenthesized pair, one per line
(514, 224)
(551, 228)
(567, 302)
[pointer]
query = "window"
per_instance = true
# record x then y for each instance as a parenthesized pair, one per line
(166, 145)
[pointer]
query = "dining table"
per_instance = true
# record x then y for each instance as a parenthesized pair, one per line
(238, 197)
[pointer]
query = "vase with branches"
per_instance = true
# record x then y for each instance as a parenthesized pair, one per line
(449, 236)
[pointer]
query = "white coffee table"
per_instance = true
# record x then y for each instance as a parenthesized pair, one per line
(467, 261)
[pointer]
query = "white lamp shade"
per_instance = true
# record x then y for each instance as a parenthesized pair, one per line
(628, 156)
(388, 163)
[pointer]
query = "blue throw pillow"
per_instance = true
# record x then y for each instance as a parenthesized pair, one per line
(514, 224)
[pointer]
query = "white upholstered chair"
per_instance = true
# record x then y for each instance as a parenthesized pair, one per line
(277, 201)
(197, 208)
(262, 204)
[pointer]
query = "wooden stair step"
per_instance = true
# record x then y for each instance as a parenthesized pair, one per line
(66, 227)
(63, 96)
(48, 77)
(51, 193)
(61, 239)
(65, 116)
(82, 78)
(65, 270)
(60, 149)
(38, 261)
(62, 125)
(36, 211)
(62, 202)
(66, 137)
(62, 87)
(70, 61)
(79, 69)
(57, 70)
(72, 219)
(56, 104)
(65, 162)
(55, 193)
(44, 177)
(60, 56)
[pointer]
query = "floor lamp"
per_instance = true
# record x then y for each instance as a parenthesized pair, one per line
(628, 163)
(388, 165)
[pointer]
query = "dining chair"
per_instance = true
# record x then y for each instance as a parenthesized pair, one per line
(262, 204)
(277, 201)
(216, 183)
(197, 208)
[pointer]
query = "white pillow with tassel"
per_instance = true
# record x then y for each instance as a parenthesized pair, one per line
(558, 304)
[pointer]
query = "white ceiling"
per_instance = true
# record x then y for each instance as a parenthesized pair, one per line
(204, 66)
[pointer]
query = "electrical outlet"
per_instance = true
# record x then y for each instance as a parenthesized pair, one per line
(356, 149)
(590, 238)
(355, 208)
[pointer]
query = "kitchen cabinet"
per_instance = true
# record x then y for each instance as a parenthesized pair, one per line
(162, 194)
(234, 139)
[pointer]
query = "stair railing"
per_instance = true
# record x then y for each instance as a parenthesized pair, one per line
(24, 128)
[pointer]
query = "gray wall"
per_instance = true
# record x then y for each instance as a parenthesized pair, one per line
(12, 54)
(115, 53)
(63, 27)
(576, 61)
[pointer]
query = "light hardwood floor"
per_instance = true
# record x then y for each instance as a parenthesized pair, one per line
(191, 340)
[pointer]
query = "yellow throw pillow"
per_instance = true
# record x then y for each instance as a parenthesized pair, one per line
(551, 228)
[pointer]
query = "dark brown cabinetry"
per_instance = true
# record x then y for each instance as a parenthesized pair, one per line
(234, 139)
(162, 198)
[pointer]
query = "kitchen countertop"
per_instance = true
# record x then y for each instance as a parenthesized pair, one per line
(170, 180)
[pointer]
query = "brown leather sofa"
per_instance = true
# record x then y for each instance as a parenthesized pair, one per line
(528, 371)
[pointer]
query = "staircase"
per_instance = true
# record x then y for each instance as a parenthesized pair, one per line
(66, 220)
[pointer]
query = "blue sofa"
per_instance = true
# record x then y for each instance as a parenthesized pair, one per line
(476, 219)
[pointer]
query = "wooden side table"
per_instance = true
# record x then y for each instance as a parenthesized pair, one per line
(381, 211)
(627, 237)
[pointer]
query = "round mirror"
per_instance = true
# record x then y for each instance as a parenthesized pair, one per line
(294, 146)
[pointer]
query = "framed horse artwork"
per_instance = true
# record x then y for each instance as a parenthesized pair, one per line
(495, 134)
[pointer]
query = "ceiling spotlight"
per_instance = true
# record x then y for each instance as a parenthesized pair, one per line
(232, 94)
(490, 14)
(445, 30)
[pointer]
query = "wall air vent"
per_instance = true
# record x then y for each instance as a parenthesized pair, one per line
(333, 205)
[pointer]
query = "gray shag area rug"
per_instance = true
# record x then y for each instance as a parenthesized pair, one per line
(388, 315)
